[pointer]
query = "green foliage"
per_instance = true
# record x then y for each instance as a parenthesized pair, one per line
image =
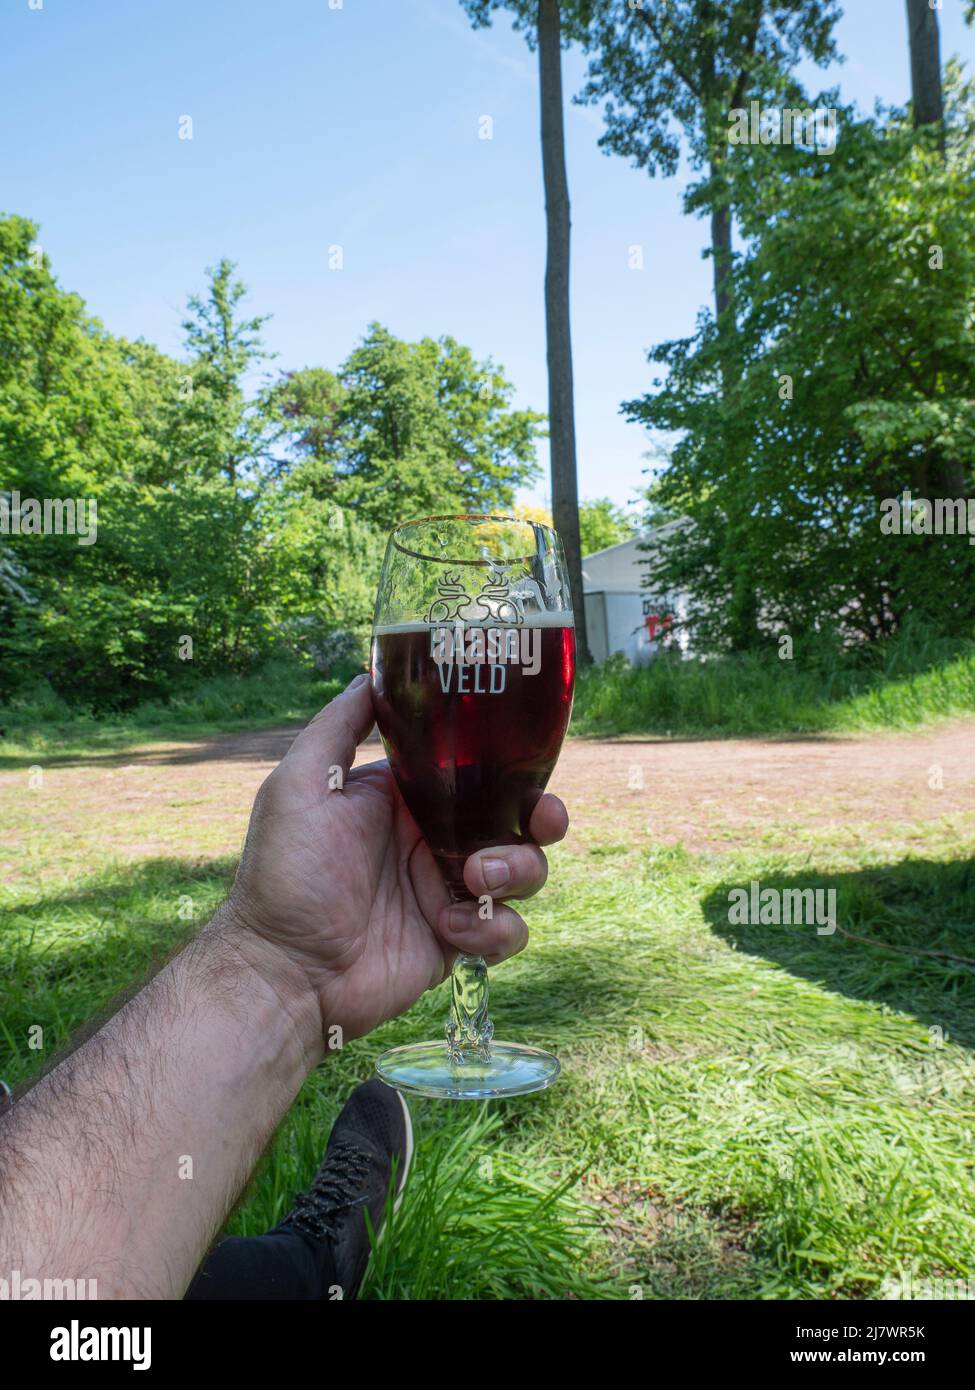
(854, 372)
(602, 523)
(216, 429)
(509, 1231)
(575, 16)
(659, 70)
(908, 681)
(307, 405)
(38, 723)
(230, 526)
(161, 448)
(904, 682)
(425, 428)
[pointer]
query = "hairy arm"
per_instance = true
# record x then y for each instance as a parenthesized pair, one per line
(122, 1163)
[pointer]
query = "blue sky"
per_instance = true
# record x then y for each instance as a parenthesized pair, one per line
(358, 126)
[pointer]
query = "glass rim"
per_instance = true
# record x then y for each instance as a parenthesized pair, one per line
(467, 516)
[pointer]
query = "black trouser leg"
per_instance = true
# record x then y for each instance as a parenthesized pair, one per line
(283, 1264)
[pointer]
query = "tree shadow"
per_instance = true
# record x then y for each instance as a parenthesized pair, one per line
(716, 736)
(68, 958)
(252, 745)
(177, 750)
(913, 920)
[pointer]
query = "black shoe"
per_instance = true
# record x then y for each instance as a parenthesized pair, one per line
(371, 1136)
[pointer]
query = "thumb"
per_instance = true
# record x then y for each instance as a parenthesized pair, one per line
(331, 738)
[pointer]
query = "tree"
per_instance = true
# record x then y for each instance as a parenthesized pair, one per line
(542, 22)
(213, 552)
(688, 64)
(684, 68)
(857, 360)
(602, 523)
(73, 406)
(942, 476)
(561, 410)
(424, 428)
(184, 549)
(218, 423)
(308, 404)
(926, 93)
(531, 511)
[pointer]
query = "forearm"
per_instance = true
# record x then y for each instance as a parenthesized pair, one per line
(122, 1163)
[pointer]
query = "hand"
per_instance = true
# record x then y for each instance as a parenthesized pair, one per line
(342, 885)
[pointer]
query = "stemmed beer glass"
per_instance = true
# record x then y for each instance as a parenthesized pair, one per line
(473, 662)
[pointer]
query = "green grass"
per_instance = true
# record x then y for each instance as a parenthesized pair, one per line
(744, 1112)
(282, 692)
(903, 684)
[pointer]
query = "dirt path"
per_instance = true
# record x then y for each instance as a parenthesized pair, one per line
(720, 794)
(191, 800)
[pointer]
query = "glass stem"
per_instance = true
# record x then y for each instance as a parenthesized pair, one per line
(469, 1030)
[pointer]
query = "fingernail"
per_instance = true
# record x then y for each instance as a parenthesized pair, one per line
(459, 920)
(354, 684)
(496, 873)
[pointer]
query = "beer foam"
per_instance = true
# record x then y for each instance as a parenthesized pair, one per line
(547, 619)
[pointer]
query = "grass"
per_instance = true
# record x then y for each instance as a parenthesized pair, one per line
(744, 1112)
(282, 692)
(903, 684)
(906, 683)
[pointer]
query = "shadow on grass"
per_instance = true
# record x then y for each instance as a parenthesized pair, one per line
(912, 918)
(242, 746)
(65, 957)
(248, 745)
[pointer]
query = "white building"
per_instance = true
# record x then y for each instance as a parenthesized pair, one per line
(621, 615)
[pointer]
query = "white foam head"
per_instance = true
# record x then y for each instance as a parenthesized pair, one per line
(559, 618)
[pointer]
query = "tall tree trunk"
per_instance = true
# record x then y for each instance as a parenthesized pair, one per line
(721, 251)
(926, 94)
(710, 86)
(721, 256)
(562, 434)
(744, 631)
(934, 476)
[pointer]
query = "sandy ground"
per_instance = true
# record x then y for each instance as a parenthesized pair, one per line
(191, 800)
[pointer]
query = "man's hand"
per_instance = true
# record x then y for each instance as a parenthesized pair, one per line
(340, 884)
(338, 915)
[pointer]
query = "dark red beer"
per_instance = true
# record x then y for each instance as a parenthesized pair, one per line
(473, 727)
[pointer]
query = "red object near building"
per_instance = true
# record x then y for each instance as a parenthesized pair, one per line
(658, 623)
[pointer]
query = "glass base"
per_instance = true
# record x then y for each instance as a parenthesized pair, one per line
(425, 1069)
